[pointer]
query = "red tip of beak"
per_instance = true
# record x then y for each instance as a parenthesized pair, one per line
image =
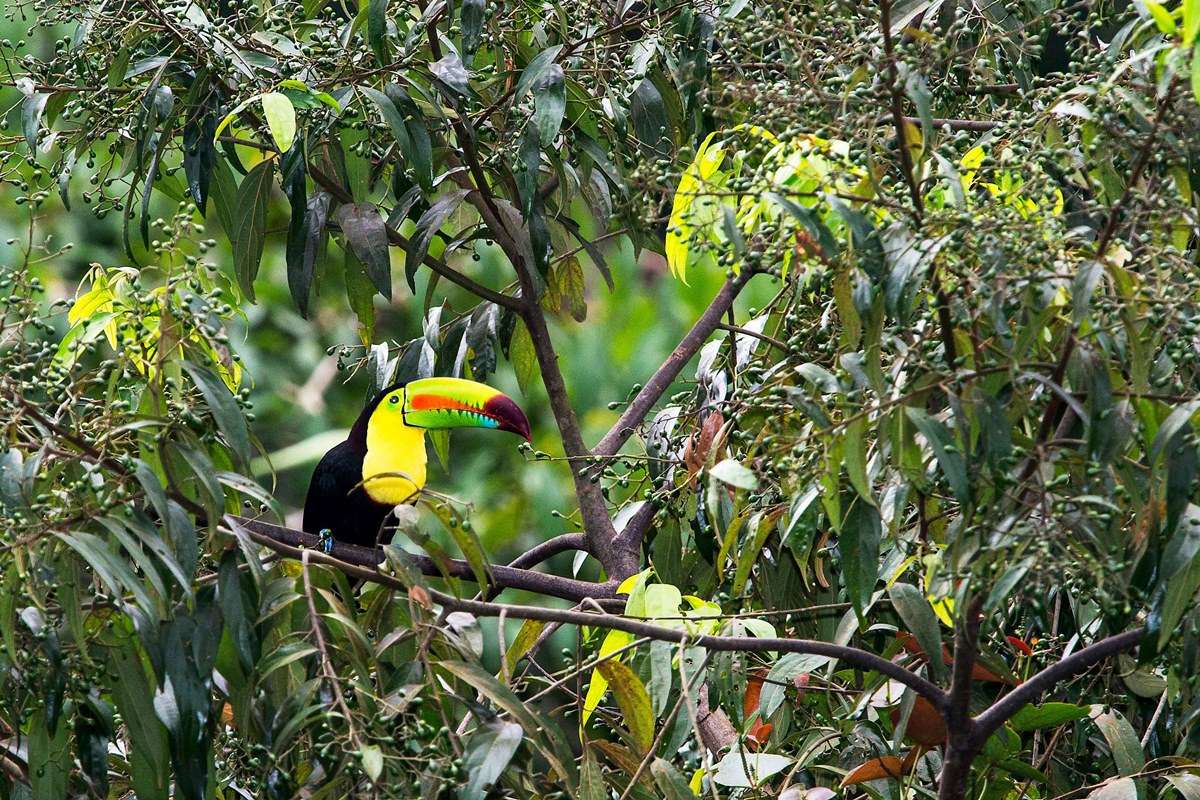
(510, 416)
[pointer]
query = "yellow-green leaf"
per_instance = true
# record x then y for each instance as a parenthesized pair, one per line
(1162, 18)
(1191, 21)
(634, 701)
(281, 119)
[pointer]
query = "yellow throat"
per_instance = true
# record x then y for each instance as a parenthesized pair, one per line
(394, 468)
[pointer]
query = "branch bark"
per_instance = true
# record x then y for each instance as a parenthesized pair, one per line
(961, 745)
(852, 656)
(502, 577)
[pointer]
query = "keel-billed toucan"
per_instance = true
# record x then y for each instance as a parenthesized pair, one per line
(382, 463)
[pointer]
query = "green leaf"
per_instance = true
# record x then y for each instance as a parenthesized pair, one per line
(634, 701)
(112, 570)
(1047, 715)
(920, 620)
(1186, 784)
(527, 636)
(1181, 589)
(591, 778)
(533, 70)
(250, 224)
(662, 675)
(859, 546)
(1122, 740)
(359, 291)
(550, 102)
(224, 409)
(1119, 789)
(1173, 424)
(372, 761)
(471, 17)
(490, 749)
(377, 30)
(149, 757)
(426, 228)
(307, 248)
(281, 119)
(948, 456)
(672, 784)
(735, 474)
(855, 454)
(556, 752)
(1162, 18)
(522, 357)
(49, 757)
(783, 672)
(365, 231)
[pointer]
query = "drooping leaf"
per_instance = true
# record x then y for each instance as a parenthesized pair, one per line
(471, 18)
(449, 69)
(377, 30)
(919, 618)
(650, 123)
(250, 224)
(740, 769)
(427, 227)
(859, 546)
(633, 699)
(732, 472)
(224, 409)
(1047, 715)
(281, 119)
(550, 101)
(1122, 740)
(533, 70)
(365, 231)
(488, 752)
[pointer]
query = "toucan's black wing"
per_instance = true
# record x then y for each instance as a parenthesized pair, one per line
(336, 501)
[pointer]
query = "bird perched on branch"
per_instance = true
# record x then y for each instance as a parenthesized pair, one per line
(381, 465)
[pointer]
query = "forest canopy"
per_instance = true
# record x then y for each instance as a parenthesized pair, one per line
(860, 345)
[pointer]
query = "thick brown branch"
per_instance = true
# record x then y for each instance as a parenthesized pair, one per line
(270, 535)
(549, 548)
(661, 380)
(850, 655)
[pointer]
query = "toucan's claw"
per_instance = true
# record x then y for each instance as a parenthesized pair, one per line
(325, 538)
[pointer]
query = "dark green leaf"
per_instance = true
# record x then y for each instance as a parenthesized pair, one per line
(533, 70)
(920, 620)
(235, 593)
(670, 782)
(427, 227)
(359, 291)
(1047, 715)
(250, 224)
(419, 150)
(377, 30)
(550, 102)
(472, 28)
(49, 757)
(949, 457)
(224, 409)
(650, 124)
(488, 752)
(365, 231)
(199, 153)
(859, 547)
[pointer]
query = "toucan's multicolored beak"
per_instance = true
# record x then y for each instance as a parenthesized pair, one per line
(436, 403)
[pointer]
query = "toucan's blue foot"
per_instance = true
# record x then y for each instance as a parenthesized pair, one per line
(326, 539)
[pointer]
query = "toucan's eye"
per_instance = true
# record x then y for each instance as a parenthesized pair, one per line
(394, 399)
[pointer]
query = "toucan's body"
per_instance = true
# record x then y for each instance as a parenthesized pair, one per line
(381, 465)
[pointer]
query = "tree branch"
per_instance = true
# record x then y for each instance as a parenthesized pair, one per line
(850, 655)
(662, 379)
(273, 536)
(549, 548)
(1003, 709)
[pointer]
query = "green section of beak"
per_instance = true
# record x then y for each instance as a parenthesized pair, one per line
(439, 403)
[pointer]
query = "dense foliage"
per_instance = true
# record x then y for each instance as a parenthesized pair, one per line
(852, 334)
